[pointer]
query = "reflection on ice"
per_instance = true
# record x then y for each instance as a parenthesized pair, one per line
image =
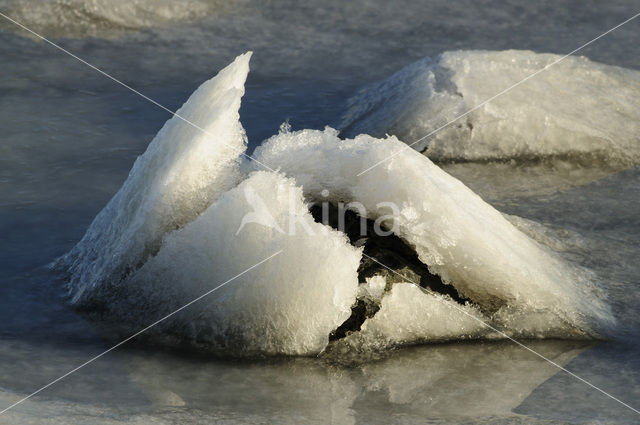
(483, 382)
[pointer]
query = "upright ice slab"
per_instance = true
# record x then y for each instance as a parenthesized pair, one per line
(191, 161)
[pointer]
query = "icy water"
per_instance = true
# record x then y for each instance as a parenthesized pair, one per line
(70, 136)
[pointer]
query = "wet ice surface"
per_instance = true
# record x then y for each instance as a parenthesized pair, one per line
(462, 383)
(70, 137)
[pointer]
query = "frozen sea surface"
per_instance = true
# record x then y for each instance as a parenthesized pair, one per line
(70, 137)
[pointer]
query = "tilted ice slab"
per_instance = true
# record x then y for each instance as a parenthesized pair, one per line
(189, 219)
(191, 161)
(574, 108)
(518, 284)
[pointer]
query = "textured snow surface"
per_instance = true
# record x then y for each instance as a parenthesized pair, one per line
(190, 218)
(575, 108)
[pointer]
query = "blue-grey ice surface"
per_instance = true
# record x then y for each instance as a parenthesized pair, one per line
(70, 138)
